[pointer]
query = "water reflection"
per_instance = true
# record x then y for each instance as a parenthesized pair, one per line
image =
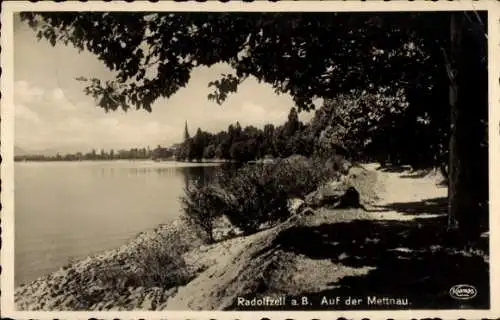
(206, 174)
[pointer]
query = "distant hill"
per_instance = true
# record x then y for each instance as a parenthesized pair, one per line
(20, 151)
(48, 152)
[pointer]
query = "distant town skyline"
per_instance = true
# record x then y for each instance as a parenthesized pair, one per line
(52, 112)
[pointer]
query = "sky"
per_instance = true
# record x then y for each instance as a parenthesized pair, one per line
(52, 112)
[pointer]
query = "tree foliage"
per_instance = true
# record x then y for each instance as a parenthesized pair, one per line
(154, 53)
(306, 55)
(249, 143)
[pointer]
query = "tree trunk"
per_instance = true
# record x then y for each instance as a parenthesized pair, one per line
(468, 163)
(455, 165)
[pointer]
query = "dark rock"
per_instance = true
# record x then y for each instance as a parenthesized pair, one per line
(350, 199)
(336, 195)
(296, 205)
(325, 194)
(307, 212)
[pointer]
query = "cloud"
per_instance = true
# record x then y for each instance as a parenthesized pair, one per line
(25, 92)
(36, 97)
(24, 113)
(57, 94)
(58, 98)
(74, 123)
(108, 123)
(253, 110)
(152, 128)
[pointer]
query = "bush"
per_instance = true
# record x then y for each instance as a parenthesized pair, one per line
(299, 177)
(153, 263)
(160, 265)
(254, 195)
(157, 262)
(338, 163)
(202, 205)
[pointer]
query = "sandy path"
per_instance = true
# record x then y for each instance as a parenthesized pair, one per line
(300, 273)
(403, 188)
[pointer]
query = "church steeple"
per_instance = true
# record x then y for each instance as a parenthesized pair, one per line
(186, 131)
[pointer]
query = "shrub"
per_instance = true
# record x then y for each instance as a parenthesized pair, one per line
(338, 163)
(155, 262)
(254, 194)
(254, 197)
(202, 205)
(300, 177)
(160, 265)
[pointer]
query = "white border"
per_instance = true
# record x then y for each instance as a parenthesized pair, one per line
(7, 149)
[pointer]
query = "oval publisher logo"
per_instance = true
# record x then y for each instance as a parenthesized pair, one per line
(463, 292)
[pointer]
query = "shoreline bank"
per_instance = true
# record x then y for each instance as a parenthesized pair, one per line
(92, 276)
(106, 280)
(123, 278)
(283, 259)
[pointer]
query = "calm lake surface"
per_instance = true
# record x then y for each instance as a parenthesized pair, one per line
(69, 210)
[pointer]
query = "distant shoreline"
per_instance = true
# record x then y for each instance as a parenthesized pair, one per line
(126, 160)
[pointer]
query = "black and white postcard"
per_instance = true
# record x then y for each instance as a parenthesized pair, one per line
(226, 160)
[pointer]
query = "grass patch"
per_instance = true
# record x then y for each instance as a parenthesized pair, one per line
(155, 262)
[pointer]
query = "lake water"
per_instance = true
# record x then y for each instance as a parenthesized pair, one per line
(69, 210)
